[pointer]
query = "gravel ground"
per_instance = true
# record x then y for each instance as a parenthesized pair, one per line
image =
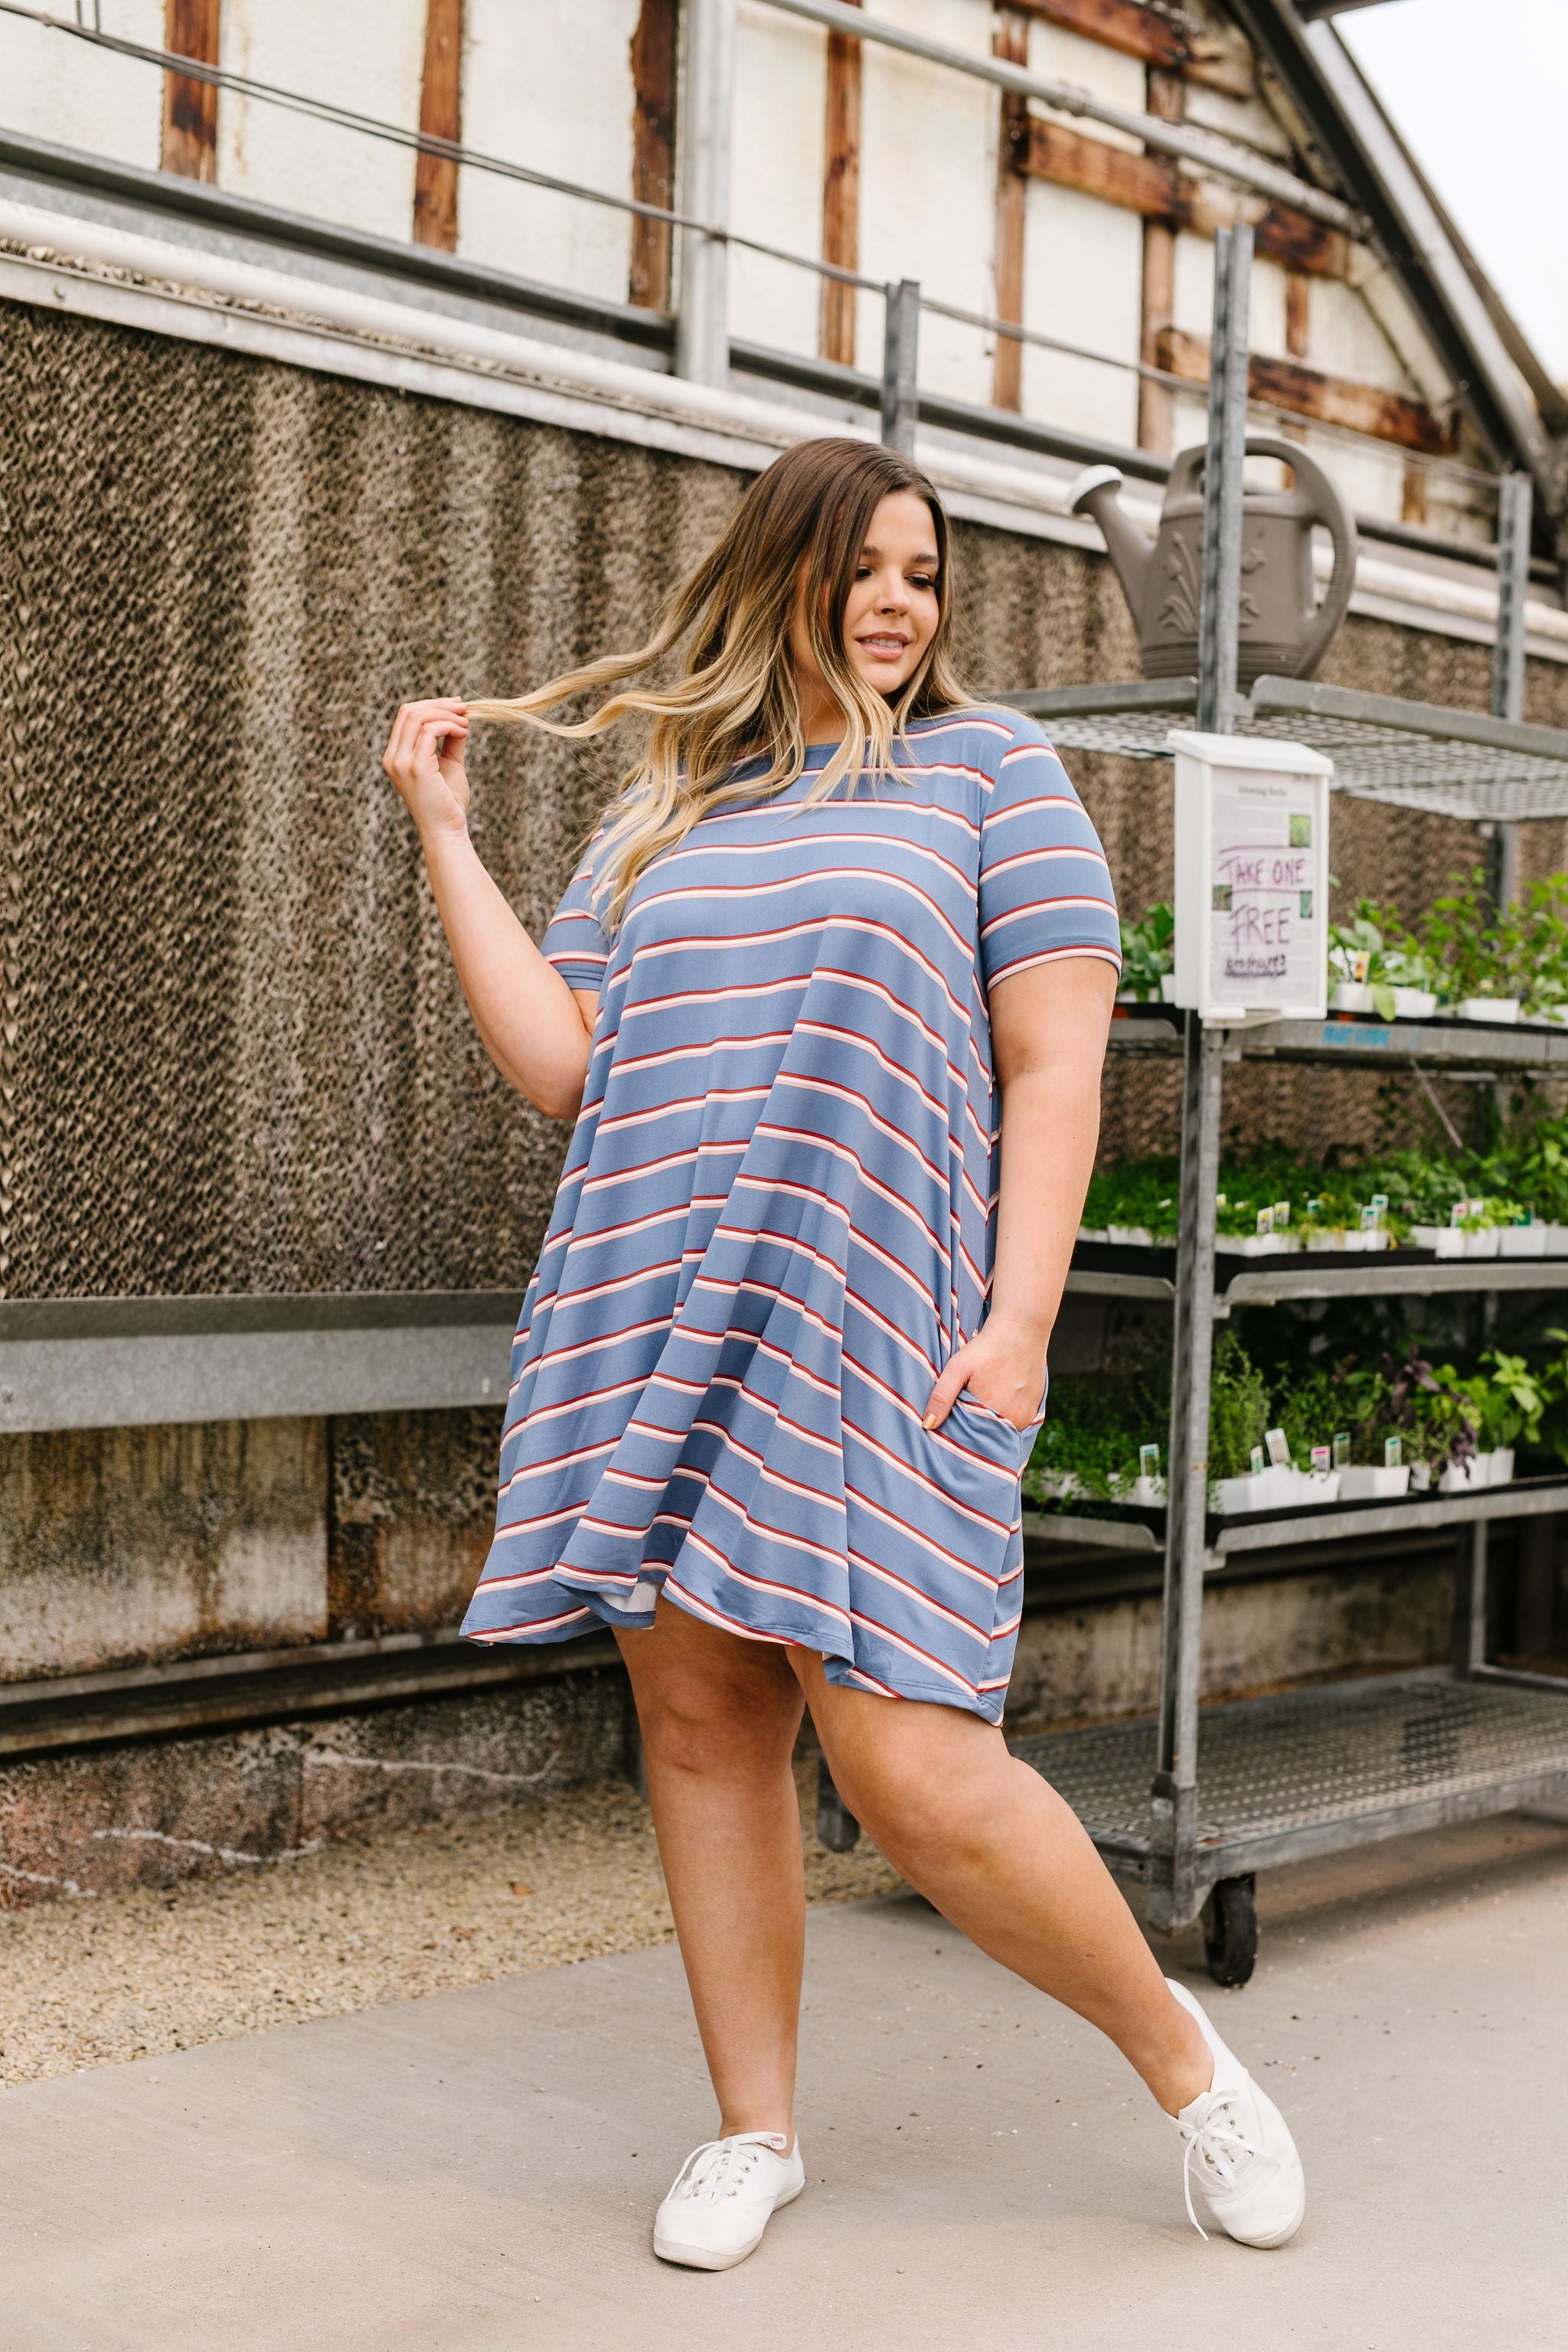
(131, 1975)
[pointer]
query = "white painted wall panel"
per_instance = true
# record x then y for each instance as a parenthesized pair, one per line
(549, 86)
(928, 190)
(1083, 267)
(1348, 341)
(775, 188)
(1266, 321)
(1090, 66)
(63, 90)
(367, 55)
(1246, 121)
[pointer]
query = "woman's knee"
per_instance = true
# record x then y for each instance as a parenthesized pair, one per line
(715, 1714)
(921, 1794)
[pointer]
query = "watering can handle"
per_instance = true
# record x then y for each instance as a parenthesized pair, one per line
(1328, 506)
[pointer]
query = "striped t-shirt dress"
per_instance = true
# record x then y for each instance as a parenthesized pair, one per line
(776, 1222)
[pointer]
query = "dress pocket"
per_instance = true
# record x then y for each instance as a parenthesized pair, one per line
(988, 1432)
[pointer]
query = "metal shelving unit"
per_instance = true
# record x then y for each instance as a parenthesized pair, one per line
(1194, 1801)
(1289, 1775)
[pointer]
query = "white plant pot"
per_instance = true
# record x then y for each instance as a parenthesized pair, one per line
(1465, 1477)
(1167, 988)
(1061, 1486)
(1378, 1238)
(1447, 1241)
(1332, 1237)
(1371, 1485)
(1487, 1243)
(1131, 1236)
(1501, 1466)
(1352, 996)
(1556, 1240)
(1279, 1489)
(1420, 1478)
(1521, 1240)
(1093, 1234)
(1415, 1003)
(1488, 1008)
(1149, 1494)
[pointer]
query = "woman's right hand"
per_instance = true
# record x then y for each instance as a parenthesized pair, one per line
(424, 757)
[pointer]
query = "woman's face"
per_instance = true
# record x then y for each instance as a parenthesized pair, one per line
(893, 606)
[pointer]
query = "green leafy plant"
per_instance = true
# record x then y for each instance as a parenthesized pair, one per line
(1238, 1408)
(1148, 952)
(1509, 1399)
(1477, 953)
(1539, 921)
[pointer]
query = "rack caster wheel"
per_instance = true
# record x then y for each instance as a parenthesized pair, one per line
(1230, 1930)
(837, 1827)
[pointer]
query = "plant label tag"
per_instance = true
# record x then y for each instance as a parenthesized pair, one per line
(1369, 1219)
(1342, 1449)
(1251, 881)
(1279, 1446)
(1148, 1462)
(1393, 1453)
(1281, 1215)
(1255, 1462)
(1266, 1221)
(1322, 1457)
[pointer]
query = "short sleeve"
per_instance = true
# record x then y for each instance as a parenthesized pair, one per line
(574, 940)
(1045, 887)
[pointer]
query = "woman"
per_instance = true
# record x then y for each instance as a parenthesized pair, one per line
(827, 999)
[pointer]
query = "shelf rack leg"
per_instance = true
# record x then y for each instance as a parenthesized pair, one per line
(1219, 603)
(1515, 507)
(1469, 1650)
(1172, 1891)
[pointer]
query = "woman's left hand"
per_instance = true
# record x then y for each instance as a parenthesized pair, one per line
(1003, 1367)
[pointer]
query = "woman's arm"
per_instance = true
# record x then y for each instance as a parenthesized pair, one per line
(535, 1029)
(1048, 1027)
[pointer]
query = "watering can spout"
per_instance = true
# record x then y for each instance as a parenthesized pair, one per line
(1132, 551)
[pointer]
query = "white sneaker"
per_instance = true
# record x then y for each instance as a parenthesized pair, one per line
(723, 2197)
(1249, 2175)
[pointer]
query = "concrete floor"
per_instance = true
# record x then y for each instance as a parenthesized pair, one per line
(477, 2169)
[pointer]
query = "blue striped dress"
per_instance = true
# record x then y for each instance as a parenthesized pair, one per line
(776, 1222)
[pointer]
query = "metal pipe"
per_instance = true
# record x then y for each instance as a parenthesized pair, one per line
(1219, 609)
(1165, 138)
(702, 309)
(900, 360)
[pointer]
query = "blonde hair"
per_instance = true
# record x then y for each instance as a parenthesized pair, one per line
(793, 545)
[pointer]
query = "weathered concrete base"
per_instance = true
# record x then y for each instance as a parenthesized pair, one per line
(152, 1813)
(89, 1822)
(1089, 1665)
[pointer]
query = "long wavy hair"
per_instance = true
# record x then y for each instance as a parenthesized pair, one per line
(791, 549)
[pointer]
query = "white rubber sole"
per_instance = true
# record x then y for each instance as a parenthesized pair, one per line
(704, 2258)
(1281, 2237)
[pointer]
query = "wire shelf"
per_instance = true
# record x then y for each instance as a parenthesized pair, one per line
(1455, 764)
(1268, 1767)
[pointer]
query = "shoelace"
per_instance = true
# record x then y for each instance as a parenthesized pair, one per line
(1217, 2141)
(719, 2166)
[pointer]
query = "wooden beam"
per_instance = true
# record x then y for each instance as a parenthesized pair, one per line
(1010, 39)
(1125, 25)
(190, 107)
(440, 117)
(1322, 399)
(654, 47)
(1157, 187)
(840, 195)
(1156, 406)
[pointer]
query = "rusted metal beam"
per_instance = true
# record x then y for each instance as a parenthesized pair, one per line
(654, 50)
(190, 107)
(1151, 33)
(840, 195)
(1010, 39)
(440, 117)
(1322, 399)
(1156, 407)
(1158, 188)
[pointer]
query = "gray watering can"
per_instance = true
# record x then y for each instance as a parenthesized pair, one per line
(1284, 632)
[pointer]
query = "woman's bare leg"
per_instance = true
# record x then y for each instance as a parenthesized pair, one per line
(1007, 1861)
(719, 1718)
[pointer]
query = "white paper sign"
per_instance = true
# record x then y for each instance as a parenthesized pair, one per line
(1264, 879)
(1252, 866)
